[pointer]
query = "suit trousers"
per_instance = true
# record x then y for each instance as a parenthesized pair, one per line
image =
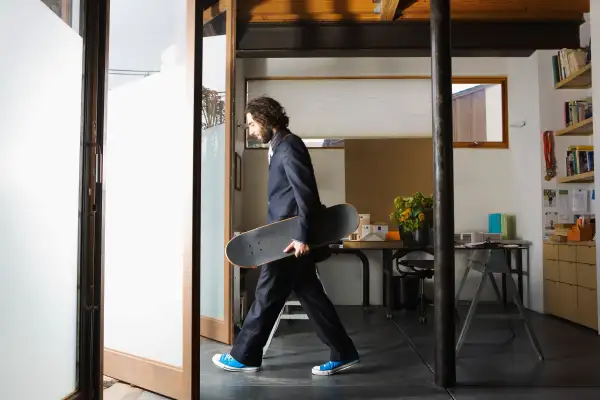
(276, 282)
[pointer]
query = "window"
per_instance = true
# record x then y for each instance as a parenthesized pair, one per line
(67, 10)
(390, 106)
(479, 113)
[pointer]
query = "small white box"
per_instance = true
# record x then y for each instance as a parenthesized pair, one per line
(364, 219)
(366, 229)
(380, 230)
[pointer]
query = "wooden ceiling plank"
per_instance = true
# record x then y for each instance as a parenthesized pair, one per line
(364, 10)
(506, 9)
(393, 9)
(307, 7)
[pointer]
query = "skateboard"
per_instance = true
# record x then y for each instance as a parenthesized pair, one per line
(266, 244)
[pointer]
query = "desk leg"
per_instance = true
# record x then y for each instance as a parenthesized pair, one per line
(389, 271)
(366, 301)
(519, 268)
(508, 255)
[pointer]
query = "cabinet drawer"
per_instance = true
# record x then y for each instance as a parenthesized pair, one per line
(587, 308)
(567, 253)
(586, 275)
(550, 251)
(567, 272)
(567, 306)
(586, 254)
(551, 270)
(551, 297)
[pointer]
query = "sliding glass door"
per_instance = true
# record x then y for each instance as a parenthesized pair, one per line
(45, 199)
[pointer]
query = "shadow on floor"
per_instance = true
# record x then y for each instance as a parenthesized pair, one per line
(492, 359)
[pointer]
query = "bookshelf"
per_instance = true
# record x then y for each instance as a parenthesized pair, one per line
(572, 69)
(586, 177)
(580, 79)
(583, 128)
(572, 149)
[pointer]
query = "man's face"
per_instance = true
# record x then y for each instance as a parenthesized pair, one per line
(257, 130)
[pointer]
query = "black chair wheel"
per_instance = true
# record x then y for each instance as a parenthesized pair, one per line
(423, 320)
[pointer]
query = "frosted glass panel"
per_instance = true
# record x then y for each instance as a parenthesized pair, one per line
(40, 117)
(213, 178)
(213, 228)
(148, 180)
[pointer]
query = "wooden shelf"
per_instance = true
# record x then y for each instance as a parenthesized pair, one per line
(583, 128)
(586, 177)
(581, 79)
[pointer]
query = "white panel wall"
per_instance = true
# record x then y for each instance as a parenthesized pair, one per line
(486, 181)
(40, 119)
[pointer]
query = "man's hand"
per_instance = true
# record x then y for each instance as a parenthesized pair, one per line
(299, 248)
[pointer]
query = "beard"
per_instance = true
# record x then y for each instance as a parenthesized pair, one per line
(266, 134)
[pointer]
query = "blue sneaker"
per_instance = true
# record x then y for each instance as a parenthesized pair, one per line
(333, 367)
(228, 363)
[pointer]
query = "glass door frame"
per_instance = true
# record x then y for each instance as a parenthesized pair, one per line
(94, 18)
(95, 31)
(216, 329)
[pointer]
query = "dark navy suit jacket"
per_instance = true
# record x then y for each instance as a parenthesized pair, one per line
(292, 189)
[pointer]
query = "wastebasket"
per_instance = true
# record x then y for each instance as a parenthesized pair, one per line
(407, 292)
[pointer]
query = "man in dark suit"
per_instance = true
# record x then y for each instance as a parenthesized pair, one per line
(292, 191)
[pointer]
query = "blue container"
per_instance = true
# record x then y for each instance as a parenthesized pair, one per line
(495, 223)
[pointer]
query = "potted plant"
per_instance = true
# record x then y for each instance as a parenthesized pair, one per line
(413, 217)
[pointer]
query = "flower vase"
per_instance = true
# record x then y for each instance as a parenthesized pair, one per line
(407, 238)
(421, 235)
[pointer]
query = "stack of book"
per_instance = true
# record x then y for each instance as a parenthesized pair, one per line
(568, 61)
(577, 111)
(580, 159)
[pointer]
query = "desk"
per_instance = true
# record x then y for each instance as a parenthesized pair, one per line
(394, 249)
(337, 249)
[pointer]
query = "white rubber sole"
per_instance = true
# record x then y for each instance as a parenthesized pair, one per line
(317, 371)
(219, 364)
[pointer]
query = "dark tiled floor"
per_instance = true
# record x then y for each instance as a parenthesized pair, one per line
(389, 368)
(396, 357)
(491, 358)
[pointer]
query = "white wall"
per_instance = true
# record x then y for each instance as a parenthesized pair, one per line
(486, 181)
(40, 136)
(594, 17)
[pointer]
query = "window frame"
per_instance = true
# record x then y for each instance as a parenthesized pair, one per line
(471, 79)
(487, 80)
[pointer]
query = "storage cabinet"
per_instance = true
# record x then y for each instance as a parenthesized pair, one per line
(570, 282)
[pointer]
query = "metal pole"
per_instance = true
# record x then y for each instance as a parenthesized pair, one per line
(441, 82)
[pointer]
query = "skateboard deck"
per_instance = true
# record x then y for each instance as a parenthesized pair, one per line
(266, 244)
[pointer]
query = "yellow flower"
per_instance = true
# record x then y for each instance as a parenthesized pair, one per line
(406, 213)
(421, 216)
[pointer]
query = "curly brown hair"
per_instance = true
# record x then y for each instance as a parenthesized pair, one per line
(268, 113)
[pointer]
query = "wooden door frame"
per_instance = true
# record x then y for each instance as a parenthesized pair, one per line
(179, 383)
(213, 328)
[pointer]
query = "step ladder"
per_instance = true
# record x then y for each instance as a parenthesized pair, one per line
(287, 313)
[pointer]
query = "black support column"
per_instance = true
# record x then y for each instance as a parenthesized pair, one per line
(441, 81)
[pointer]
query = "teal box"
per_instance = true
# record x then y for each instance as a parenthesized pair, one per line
(495, 223)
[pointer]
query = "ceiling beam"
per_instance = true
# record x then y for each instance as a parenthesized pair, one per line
(391, 10)
(402, 38)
